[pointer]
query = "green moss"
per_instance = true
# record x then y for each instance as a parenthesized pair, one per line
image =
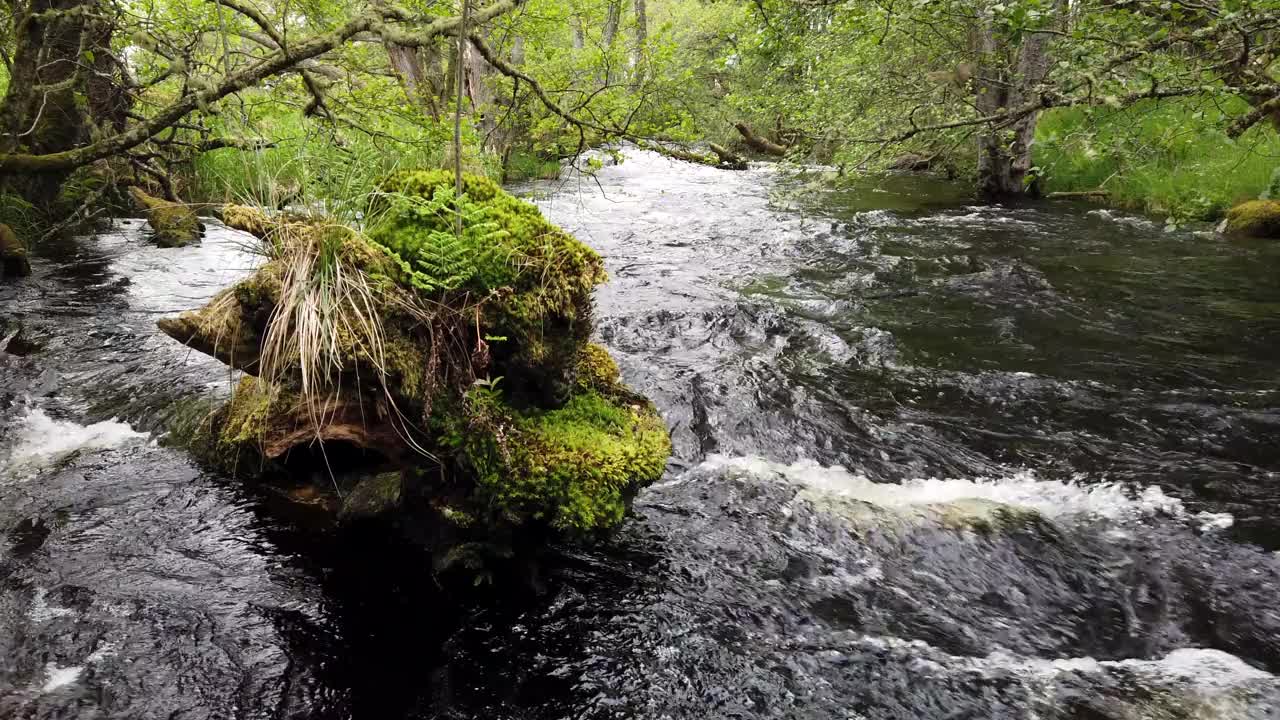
(596, 369)
(261, 290)
(419, 214)
(574, 468)
(246, 219)
(533, 280)
(247, 414)
(172, 224)
(372, 497)
(1256, 218)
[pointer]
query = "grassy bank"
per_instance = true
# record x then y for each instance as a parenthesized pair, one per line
(1168, 158)
(305, 162)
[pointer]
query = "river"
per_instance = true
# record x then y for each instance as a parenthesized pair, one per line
(933, 461)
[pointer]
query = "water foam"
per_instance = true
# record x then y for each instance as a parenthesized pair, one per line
(41, 438)
(59, 677)
(41, 611)
(1051, 498)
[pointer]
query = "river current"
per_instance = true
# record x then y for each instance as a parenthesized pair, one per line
(934, 461)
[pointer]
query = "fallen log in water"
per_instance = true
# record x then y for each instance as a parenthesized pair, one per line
(720, 158)
(758, 143)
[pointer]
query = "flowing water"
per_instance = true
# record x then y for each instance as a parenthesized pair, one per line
(932, 461)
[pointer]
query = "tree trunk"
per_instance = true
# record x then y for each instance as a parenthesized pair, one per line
(418, 70)
(46, 108)
(1008, 77)
(642, 38)
(611, 22)
(475, 73)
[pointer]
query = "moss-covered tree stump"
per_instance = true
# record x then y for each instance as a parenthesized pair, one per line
(1255, 218)
(13, 255)
(457, 362)
(172, 224)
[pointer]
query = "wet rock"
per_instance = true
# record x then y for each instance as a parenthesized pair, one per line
(172, 224)
(1255, 218)
(19, 341)
(371, 498)
(13, 255)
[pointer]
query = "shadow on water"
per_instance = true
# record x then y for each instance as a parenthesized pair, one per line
(1059, 426)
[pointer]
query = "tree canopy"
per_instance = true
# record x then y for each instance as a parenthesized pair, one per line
(273, 97)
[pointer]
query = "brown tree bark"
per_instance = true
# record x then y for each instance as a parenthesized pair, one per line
(1008, 77)
(758, 143)
(419, 72)
(642, 38)
(46, 109)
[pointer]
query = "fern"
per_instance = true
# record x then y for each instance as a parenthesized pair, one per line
(419, 232)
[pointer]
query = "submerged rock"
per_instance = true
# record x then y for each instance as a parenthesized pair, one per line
(458, 362)
(172, 224)
(1255, 218)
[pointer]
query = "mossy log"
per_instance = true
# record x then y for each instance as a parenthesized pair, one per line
(728, 159)
(272, 421)
(172, 224)
(721, 158)
(1255, 218)
(246, 219)
(912, 162)
(758, 143)
(461, 360)
(13, 255)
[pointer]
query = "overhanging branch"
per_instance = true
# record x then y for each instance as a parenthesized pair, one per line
(286, 60)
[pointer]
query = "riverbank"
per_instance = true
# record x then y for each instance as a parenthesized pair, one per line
(1171, 159)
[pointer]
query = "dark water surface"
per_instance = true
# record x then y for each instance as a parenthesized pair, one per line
(932, 461)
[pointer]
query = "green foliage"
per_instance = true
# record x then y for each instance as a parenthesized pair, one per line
(548, 273)
(433, 256)
(309, 163)
(20, 215)
(529, 166)
(1172, 158)
(1273, 187)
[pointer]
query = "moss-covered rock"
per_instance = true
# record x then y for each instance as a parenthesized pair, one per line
(1255, 218)
(172, 224)
(386, 340)
(13, 255)
(372, 497)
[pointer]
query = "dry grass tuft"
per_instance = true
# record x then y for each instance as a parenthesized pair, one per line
(326, 309)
